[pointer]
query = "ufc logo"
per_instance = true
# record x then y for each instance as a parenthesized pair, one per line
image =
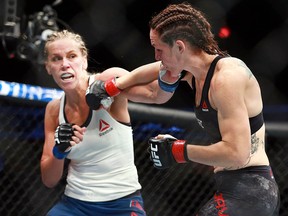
(221, 205)
(56, 137)
(154, 156)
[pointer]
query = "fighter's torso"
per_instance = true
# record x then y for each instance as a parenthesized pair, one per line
(207, 118)
(102, 166)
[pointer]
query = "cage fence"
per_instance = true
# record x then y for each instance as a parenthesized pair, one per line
(178, 191)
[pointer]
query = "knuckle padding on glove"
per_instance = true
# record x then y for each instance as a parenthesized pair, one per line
(161, 154)
(64, 135)
(99, 91)
(95, 93)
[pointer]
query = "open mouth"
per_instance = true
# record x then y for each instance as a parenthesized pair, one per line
(66, 76)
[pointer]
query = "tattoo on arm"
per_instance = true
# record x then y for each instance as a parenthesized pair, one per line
(255, 142)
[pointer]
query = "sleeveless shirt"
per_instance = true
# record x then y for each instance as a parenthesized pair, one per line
(207, 116)
(102, 166)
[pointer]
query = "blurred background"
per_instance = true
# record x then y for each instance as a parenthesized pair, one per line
(117, 34)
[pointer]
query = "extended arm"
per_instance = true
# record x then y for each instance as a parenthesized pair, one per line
(145, 76)
(142, 75)
(140, 85)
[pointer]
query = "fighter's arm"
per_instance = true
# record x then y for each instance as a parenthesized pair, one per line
(145, 76)
(51, 168)
(227, 93)
(141, 75)
(139, 85)
(55, 149)
(137, 89)
(234, 149)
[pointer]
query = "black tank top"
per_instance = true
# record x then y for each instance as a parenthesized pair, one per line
(207, 116)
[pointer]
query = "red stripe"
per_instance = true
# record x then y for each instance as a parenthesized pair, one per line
(111, 88)
(178, 149)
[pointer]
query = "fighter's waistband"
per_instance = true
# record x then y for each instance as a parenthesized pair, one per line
(264, 171)
(136, 193)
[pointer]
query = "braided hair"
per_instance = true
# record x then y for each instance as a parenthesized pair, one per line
(182, 21)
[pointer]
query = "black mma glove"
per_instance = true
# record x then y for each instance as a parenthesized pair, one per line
(167, 151)
(63, 136)
(100, 93)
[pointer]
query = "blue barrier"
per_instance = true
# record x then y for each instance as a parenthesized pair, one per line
(28, 92)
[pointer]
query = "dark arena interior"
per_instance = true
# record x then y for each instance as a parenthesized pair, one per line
(117, 34)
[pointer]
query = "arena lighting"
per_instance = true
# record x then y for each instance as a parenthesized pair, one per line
(10, 13)
(24, 37)
(40, 25)
(9, 21)
(224, 32)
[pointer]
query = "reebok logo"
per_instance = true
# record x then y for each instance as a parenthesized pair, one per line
(104, 127)
(200, 123)
(204, 106)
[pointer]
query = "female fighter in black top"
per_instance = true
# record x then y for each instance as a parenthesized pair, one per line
(228, 105)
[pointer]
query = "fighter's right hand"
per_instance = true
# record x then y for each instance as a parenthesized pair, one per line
(166, 150)
(99, 91)
(63, 136)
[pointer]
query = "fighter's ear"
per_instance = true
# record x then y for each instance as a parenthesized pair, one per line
(47, 68)
(180, 45)
(85, 64)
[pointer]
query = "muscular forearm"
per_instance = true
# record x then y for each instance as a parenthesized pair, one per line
(141, 85)
(150, 93)
(218, 155)
(142, 75)
(166, 150)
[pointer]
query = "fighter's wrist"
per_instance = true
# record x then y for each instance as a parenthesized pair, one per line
(59, 154)
(179, 151)
(165, 85)
(111, 87)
